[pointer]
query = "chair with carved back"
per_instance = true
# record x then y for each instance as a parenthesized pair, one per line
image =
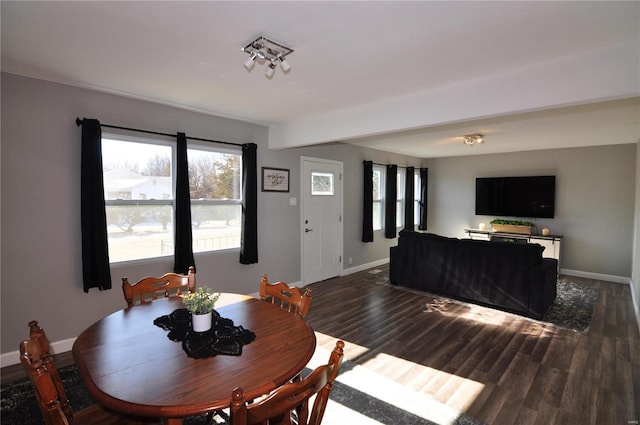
(37, 359)
(288, 298)
(149, 288)
(291, 399)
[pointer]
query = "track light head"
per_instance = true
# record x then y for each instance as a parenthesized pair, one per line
(250, 62)
(284, 65)
(270, 70)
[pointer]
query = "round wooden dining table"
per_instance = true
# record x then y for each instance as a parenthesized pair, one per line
(128, 364)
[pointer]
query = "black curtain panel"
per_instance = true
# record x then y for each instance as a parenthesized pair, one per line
(409, 190)
(367, 202)
(390, 201)
(249, 239)
(93, 218)
(424, 186)
(183, 242)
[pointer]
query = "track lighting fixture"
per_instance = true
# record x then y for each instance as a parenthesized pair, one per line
(473, 139)
(267, 51)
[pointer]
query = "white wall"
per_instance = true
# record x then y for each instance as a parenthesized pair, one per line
(595, 200)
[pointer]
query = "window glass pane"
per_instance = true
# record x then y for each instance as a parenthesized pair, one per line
(378, 181)
(138, 188)
(136, 170)
(377, 215)
(215, 185)
(321, 183)
(399, 198)
(215, 226)
(214, 174)
(139, 231)
(416, 198)
(377, 185)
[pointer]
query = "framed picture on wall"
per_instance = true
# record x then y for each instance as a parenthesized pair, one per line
(275, 179)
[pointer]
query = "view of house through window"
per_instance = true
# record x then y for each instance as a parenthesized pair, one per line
(139, 188)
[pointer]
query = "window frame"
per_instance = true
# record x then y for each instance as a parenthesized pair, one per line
(400, 201)
(379, 203)
(203, 146)
(191, 145)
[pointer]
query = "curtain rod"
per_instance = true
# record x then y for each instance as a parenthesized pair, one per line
(79, 123)
(399, 166)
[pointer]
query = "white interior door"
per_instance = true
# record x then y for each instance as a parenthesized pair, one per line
(321, 227)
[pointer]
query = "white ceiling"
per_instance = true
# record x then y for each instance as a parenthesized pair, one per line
(406, 77)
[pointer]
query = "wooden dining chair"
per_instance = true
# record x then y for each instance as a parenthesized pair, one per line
(288, 298)
(37, 359)
(277, 408)
(149, 288)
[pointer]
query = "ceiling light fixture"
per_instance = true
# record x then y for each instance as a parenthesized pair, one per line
(264, 50)
(473, 139)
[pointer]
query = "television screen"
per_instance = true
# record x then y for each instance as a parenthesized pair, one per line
(532, 196)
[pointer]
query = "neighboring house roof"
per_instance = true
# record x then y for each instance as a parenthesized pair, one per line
(123, 180)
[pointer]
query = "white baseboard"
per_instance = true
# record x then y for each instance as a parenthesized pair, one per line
(636, 303)
(8, 359)
(596, 276)
(362, 267)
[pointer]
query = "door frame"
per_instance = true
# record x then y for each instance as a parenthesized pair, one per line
(339, 230)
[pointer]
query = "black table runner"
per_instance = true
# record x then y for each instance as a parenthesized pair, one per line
(222, 338)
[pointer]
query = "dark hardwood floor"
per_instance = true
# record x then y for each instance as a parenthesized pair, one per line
(497, 367)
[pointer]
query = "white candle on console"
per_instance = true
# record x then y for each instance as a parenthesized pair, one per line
(482, 226)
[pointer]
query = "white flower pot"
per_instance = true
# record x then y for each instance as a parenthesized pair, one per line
(201, 322)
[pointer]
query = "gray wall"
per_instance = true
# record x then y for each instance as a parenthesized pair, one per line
(41, 249)
(635, 277)
(595, 200)
(40, 270)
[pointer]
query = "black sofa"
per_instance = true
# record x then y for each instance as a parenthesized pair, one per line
(509, 276)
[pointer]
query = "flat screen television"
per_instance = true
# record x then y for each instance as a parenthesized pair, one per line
(531, 196)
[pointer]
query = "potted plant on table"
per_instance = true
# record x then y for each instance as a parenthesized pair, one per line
(512, 226)
(200, 304)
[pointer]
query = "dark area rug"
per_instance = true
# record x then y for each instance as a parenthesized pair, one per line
(19, 406)
(572, 309)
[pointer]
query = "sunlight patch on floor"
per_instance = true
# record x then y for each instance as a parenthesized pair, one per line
(450, 383)
(366, 380)
(337, 414)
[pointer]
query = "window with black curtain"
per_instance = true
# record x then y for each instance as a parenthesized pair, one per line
(183, 241)
(93, 220)
(367, 202)
(146, 205)
(409, 190)
(424, 186)
(390, 201)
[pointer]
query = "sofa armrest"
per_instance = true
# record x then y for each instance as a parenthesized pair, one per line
(543, 295)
